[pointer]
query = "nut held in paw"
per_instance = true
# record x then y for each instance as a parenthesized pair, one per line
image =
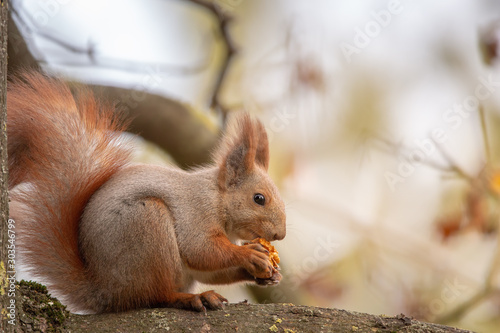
(274, 259)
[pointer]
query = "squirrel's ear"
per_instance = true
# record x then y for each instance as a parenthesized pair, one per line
(237, 152)
(262, 153)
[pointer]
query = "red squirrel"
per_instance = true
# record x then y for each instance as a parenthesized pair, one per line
(107, 235)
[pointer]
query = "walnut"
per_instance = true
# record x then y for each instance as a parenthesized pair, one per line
(274, 259)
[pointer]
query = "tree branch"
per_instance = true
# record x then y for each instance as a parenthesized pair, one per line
(186, 134)
(251, 318)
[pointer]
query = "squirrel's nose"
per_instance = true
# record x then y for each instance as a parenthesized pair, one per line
(279, 236)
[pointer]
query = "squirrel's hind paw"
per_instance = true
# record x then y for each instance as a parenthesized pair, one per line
(198, 302)
(213, 300)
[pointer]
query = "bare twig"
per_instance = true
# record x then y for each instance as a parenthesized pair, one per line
(462, 309)
(90, 51)
(495, 264)
(453, 165)
(484, 130)
(487, 291)
(223, 20)
(489, 287)
(389, 146)
(96, 60)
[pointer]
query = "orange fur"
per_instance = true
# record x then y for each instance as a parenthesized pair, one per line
(48, 134)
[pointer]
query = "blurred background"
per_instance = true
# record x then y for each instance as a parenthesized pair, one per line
(383, 118)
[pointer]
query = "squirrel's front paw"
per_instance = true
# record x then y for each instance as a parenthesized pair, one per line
(257, 261)
(272, 281)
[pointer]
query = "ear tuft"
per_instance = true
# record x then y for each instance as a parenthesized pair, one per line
(262, 153)
(243, 146)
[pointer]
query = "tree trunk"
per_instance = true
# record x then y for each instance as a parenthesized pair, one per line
(6, 270)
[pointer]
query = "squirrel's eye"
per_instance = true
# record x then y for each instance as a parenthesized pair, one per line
(259, 199)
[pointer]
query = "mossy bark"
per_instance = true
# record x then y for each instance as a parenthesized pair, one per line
(250, 318)
(38, 312)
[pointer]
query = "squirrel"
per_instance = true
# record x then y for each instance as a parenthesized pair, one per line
(107, 235)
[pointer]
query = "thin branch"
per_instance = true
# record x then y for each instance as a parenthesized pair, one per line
(223, 20)
(489, 287)
(488, 290)
(462, 309)
(108, 63)
(495, 264)
(485, 135)
(452, 168)
(453, 165)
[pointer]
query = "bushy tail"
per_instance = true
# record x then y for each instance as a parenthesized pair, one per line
(62, 147)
